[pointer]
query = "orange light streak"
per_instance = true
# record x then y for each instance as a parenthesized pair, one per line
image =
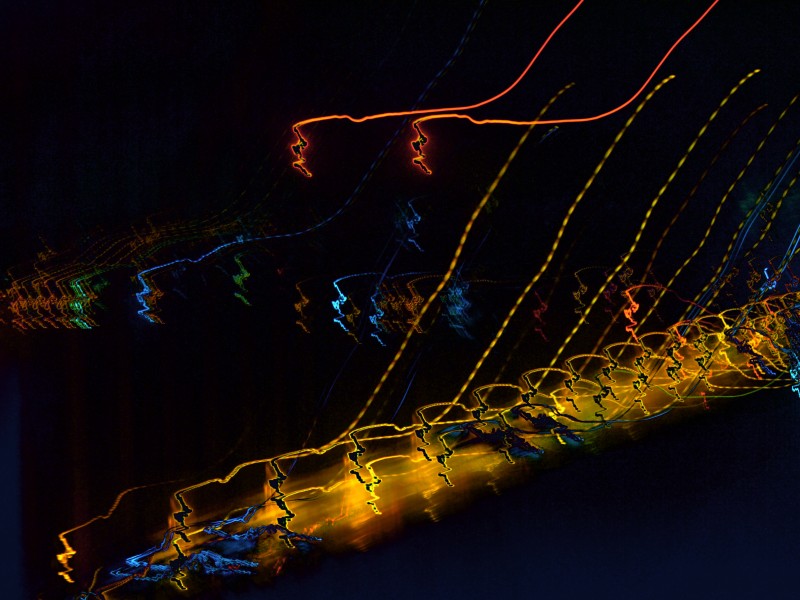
(301, 143)
(455, 112)
(426, 111)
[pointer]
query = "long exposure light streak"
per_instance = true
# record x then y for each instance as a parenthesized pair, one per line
(327, 360)
(457, 112)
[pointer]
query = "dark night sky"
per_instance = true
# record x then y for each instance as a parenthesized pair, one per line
(171, 112)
